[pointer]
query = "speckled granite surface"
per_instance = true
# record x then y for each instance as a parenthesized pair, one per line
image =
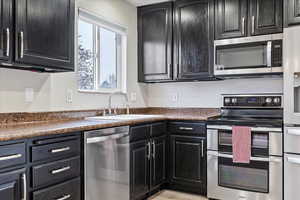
(26, 125)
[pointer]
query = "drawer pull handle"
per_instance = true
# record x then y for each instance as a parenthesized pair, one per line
(186, 128)
(60, 170)
(4, 158)
(64, 197)
(60, 150)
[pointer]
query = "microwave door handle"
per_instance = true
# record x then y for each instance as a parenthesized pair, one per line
(269, 54)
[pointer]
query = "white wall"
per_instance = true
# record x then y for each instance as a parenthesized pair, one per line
(50, 89)
(207, 94)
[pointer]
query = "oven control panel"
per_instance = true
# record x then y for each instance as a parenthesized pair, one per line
(252, 101)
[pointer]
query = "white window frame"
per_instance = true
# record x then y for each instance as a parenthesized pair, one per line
(100, 21)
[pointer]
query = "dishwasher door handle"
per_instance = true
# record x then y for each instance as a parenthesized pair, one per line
(104, 138)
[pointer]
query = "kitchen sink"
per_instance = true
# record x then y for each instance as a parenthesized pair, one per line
(122, 117)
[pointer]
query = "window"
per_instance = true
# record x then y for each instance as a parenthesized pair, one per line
(101, 55)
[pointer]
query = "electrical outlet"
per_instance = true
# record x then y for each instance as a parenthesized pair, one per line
(29, 95)
(133, 96)
(69, 96)
(174, 97)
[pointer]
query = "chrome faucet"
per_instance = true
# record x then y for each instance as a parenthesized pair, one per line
(110, 100)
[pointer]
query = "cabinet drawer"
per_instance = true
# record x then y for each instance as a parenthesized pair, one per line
(187, 128)
(69, 190)
(141, 132)
(12, 154)
(55, 172)
(56, 150)
(158, 129)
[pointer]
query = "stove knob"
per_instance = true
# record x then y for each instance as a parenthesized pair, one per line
(277, 100)
(269, 100)
(227, 100)
(234, 100)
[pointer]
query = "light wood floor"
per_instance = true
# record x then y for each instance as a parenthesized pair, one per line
(172, 195)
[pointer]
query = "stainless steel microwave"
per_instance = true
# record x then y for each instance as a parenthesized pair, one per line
(249, 56)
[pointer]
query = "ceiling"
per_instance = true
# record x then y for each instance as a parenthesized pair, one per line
(145, 2)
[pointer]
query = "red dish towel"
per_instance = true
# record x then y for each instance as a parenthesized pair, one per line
(241, 144)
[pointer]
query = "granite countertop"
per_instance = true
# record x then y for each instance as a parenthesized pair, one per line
(22, 130)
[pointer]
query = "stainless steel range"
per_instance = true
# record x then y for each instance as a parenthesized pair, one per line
(261, 179)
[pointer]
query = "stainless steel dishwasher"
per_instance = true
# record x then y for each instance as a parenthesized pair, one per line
(107, 164)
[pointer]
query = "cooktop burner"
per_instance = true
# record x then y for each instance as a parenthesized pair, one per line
(247, 121)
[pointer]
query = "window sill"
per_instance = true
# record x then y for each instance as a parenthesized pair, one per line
(99, 91)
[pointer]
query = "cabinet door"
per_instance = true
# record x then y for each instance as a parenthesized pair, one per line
(158, 165)
(188, 163)
(155, 42)
(12, 185)
(231, 18)
(292, 12)
(194, 36)
(6, 29)
(266, 17)
(139, 169)
(45, 33)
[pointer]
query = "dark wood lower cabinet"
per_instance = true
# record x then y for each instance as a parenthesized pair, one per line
(139, 169)
(158, 164)
(147, 159)
(147, 166)
(188, 163)
(11, 185)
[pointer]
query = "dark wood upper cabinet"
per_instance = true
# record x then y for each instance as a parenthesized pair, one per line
(155, 42)
(44, 34)
(6, 30)
(266, 17)
(193, 39)
(231, 18)
(292, 12)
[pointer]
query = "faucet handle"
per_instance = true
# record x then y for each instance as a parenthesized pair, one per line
(115, 111)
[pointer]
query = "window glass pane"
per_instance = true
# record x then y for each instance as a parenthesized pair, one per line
(86, 56)
(108, 59)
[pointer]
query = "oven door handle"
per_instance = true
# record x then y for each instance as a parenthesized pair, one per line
(271, 159)
(254, 129)
(222, 155)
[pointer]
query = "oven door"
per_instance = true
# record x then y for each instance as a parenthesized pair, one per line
(259, 180)
(259, 143)
(265, 140)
